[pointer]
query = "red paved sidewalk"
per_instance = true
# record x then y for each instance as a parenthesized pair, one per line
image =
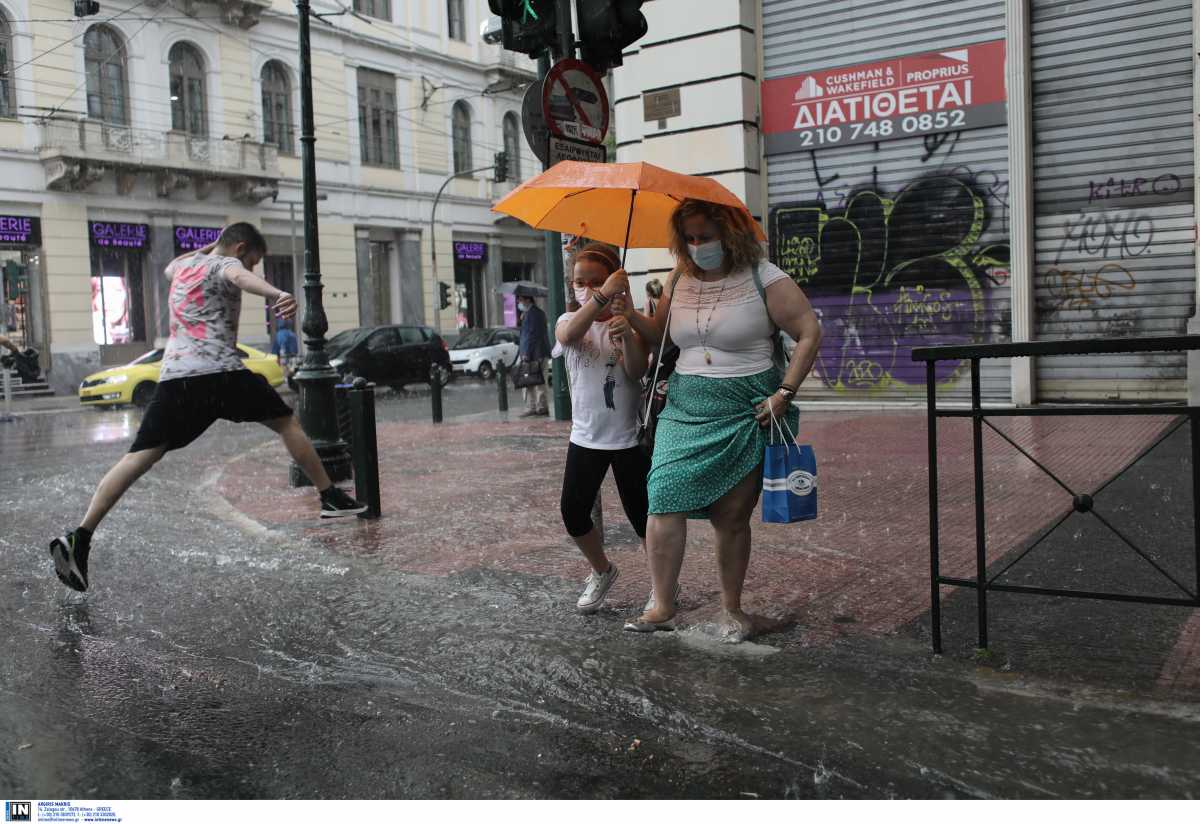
(485, 494)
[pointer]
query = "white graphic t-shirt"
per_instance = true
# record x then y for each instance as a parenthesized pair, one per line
(604, 400)
(205, 307)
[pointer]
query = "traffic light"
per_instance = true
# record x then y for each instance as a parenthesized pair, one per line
(445, 291)
(528, 26)
(501, 173)
(607, 28)
(86, 8)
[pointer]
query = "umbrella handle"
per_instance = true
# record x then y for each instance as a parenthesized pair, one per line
(628, 227)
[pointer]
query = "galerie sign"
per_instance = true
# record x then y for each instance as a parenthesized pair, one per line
(123, 235)
(20, 231)
(190, 238)
(943, 91)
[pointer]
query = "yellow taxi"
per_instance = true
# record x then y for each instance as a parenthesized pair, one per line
(134, 382)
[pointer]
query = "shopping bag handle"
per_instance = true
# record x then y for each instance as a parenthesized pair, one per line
(780, 425)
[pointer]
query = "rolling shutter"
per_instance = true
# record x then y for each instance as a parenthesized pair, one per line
(1113, 172)
(899, 243)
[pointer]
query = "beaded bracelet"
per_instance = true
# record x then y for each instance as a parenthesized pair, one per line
(600, 299)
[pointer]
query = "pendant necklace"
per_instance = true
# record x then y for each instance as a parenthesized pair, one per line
(703, 336)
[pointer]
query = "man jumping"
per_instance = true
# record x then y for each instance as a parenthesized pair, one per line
(203, 379)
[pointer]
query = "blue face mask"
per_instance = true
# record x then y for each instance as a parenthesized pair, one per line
(708, 256)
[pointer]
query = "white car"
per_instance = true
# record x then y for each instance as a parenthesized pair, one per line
(480, 351)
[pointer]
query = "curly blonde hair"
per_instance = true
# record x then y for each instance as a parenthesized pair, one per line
(735, 229)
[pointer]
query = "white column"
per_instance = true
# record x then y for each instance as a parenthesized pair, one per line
(1020, 186)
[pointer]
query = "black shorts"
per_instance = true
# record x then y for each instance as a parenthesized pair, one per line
(184, 407)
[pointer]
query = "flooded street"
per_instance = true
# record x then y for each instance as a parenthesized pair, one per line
(220, 656)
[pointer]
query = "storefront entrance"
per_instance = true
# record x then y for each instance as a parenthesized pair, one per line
(119, 296)
(20, 321)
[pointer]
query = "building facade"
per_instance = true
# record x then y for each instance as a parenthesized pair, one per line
(131, 136)
(982, 171)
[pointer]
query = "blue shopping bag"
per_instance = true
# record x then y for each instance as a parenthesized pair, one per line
(789, 478)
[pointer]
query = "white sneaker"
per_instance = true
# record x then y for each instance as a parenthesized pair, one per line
(597, 589)
(652, 602)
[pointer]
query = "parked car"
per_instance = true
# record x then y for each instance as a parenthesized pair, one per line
(391, 355)
(480, 351)
(135, 382)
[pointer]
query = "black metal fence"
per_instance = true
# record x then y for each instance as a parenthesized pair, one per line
(1082, 502)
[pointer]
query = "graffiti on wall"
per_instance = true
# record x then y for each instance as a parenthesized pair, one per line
(888, 272)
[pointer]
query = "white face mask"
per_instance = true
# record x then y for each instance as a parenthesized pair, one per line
(582, 294)
(708, 256)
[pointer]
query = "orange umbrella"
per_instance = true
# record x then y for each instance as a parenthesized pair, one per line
(625, 204)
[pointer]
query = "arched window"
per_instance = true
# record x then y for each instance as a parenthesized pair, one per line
(104, 59)
(189, 108)
(277, 107)
(8, 98)
(461, 126)
(512, 145)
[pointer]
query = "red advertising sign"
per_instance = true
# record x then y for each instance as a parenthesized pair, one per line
(920, 94)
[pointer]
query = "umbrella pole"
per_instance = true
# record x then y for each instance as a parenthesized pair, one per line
(628, 227)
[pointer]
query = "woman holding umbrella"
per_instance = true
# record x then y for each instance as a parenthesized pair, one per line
(723, 305)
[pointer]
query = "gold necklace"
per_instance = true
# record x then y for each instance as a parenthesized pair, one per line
(703, 336)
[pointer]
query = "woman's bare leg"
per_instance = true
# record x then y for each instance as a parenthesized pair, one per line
(666, 536)
(730, 517)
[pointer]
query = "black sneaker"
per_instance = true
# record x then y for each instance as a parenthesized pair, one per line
(337, 504)
(70, 555)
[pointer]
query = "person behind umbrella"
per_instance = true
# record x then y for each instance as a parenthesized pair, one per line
(653, 296)
(711, 436)
(535, 347)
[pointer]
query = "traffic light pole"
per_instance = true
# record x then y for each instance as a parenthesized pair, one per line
(556, 303)
(316, 378)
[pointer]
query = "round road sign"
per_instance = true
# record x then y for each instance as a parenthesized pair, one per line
(574, 102)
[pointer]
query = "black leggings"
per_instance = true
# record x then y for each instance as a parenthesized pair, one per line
(585, 472)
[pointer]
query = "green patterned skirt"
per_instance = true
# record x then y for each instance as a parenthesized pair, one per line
(707, 440)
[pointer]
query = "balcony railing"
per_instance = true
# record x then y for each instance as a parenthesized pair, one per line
(77, 152)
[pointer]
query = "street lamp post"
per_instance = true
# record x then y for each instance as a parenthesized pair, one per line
(316, 378)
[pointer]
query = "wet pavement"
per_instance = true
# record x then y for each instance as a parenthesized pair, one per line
(232, 646)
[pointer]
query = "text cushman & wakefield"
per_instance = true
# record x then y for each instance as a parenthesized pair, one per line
(951, 90)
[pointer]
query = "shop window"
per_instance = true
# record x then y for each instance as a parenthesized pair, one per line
(461, 127)
(107, 81)
(189, 105)
(118, 305)
(8, 98)
(277, 108)
(377, 118)
(457, 19)
(381, 9)
(512, 145)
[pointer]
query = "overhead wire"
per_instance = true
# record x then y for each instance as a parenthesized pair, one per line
(79, 36)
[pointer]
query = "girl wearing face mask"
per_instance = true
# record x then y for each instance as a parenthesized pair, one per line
(605, 360)
(724, 305)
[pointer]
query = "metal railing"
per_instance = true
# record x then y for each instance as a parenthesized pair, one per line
(101, 142)
(1081, 502)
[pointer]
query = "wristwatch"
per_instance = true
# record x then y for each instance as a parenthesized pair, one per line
(788, 393)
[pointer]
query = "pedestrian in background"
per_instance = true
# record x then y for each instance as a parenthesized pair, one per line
(605, 359)
(724, 311)
(285, 347)
(535, 348)
(653, 296)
